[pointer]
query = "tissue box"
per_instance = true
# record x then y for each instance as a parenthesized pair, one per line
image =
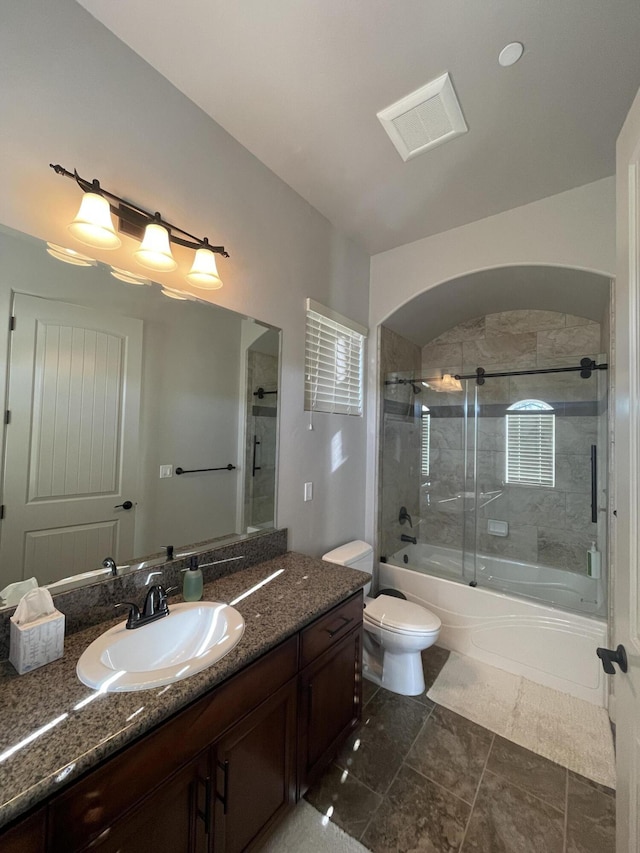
(36, 643)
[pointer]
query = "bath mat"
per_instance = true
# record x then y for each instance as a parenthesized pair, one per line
(569, 731)
(307, 830)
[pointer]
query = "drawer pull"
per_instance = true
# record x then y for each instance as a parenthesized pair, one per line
(334, 631)
(224, 766)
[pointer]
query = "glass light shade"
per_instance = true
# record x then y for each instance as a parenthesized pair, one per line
(450, 383)
(70, 256)
(176, 294)
(93, 224)
(204, 273)
(128, 277)
(155, 252)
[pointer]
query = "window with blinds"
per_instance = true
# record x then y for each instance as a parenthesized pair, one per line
(333, 362)
(425, 436)
(531, 426)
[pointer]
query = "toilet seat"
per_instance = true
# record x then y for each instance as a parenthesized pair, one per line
(400, 616)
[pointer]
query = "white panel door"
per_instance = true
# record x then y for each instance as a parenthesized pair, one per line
(626, 628)
(71, 443)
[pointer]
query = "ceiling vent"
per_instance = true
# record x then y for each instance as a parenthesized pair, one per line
(427, 117)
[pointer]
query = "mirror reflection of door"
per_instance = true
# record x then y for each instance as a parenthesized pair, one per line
(72, 439)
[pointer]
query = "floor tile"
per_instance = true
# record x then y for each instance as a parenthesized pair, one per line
(433, 659)
(369, 690)
(591, 817)
(350, 802)
(524, 768)
(596, 785)
(390, 724)
(451, 751)
(507, 819)
(417, 816)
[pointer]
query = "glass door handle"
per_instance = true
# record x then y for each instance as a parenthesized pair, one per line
(594, 483)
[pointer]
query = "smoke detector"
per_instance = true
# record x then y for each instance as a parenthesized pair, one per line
(427, 117)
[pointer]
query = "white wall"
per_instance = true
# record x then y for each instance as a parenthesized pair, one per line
(72, 93)
(572, 229)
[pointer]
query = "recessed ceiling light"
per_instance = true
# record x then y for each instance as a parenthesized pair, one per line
(510, 54)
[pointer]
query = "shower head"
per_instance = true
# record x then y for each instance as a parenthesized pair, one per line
(416, 388)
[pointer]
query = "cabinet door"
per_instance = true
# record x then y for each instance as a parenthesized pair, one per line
(329, 706)
(175, 817)
(26, 837)
(255, 773)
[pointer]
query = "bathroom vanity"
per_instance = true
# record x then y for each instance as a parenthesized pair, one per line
(238, 745)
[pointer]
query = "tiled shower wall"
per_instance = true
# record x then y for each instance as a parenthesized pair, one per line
(546, 526)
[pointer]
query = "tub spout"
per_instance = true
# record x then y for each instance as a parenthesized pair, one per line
(412, 539)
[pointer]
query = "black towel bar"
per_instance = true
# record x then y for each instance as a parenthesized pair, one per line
(228, 467)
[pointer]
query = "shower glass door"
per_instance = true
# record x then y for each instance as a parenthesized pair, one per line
(500, 485)
(427, 469)
(540, 489)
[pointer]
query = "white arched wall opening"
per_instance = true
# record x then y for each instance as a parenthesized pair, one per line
(573, 231)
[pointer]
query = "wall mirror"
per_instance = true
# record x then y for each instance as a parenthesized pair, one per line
(136, 421)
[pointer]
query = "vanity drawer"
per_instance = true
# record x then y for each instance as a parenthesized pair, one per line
(331, 628)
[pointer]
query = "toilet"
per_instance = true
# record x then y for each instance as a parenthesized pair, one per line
(395, 630)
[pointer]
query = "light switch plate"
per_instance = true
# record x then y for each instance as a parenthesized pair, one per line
(308, 491)
(166, 471)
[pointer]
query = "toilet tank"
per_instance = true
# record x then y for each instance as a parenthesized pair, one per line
(356, 555)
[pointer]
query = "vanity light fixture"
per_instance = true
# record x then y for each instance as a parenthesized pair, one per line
(70, 256)
(180, 295)
(204, 272)
(155, 252)
(128, 277)
(94, 226)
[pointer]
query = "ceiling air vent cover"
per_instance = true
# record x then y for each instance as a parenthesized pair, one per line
(425, 118)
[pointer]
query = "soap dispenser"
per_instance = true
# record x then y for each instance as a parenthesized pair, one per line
(192, 583)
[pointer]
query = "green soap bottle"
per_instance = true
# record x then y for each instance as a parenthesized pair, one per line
(192, 582)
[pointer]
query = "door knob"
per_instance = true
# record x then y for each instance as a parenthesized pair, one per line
(125, 505)
(609, 657)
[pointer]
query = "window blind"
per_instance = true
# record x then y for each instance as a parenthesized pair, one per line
(531, 449)
(334, 361)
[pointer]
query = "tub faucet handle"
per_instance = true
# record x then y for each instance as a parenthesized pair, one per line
(404, 516)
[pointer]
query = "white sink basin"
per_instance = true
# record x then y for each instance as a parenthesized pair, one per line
(192, 637)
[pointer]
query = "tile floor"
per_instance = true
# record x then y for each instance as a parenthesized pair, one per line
(417, 777)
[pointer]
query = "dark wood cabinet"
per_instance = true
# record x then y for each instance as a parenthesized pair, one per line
(329, 706)
(28, 836)
(175, 817)
(255, 773)
(219, 775)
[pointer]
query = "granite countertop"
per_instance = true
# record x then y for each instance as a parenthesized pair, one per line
(53, 728)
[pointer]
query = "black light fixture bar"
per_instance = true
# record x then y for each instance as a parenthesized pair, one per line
(137, 216)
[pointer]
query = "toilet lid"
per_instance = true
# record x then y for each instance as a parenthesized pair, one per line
(400, 615)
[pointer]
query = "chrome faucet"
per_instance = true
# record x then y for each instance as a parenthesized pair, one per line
(155, 607)
(110, 563)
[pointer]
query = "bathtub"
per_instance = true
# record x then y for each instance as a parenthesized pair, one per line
(540, 641)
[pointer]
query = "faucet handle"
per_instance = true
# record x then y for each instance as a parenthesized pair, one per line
(134, 612)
